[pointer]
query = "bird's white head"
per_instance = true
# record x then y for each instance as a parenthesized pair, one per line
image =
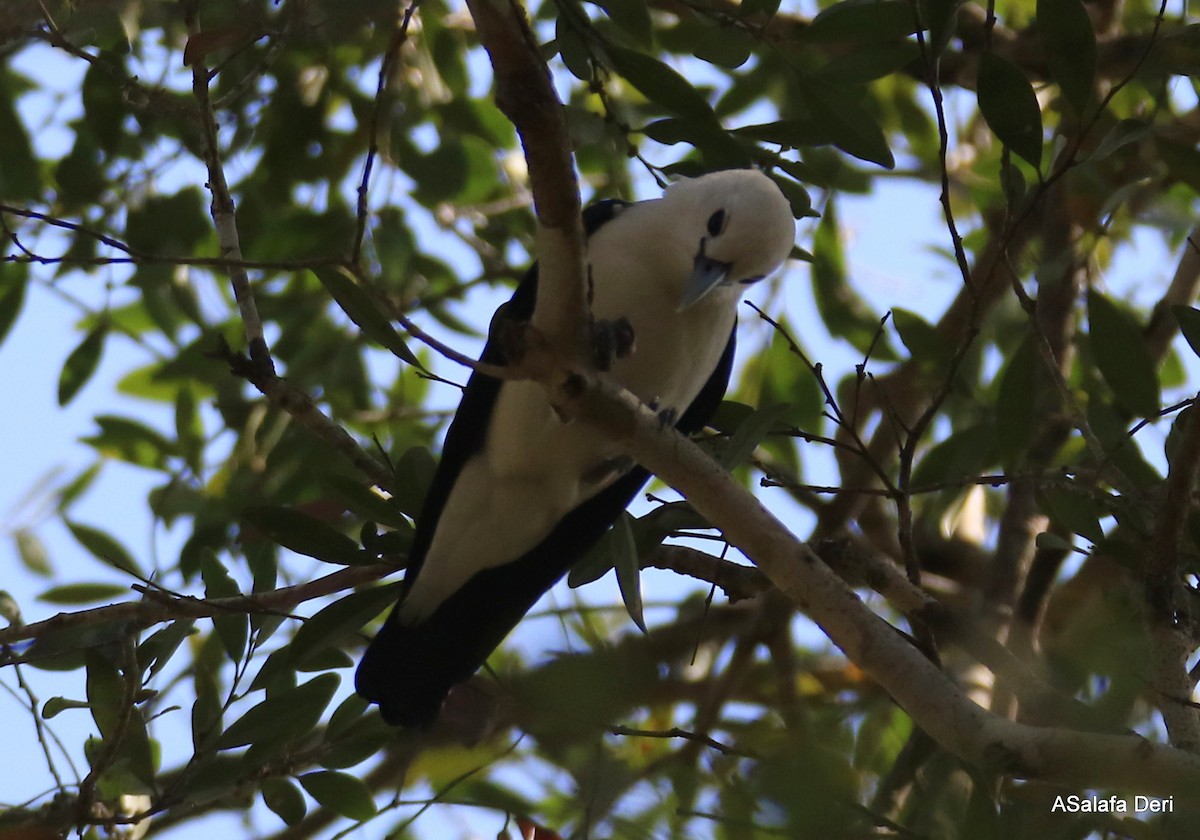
(738, 226)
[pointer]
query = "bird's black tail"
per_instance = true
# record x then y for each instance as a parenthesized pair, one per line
(409, 669)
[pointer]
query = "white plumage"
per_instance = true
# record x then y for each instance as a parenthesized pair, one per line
(534, 468)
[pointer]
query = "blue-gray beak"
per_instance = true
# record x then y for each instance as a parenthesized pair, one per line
(707, 274)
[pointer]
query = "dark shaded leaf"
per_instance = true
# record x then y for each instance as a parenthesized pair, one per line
(363, 311)
(869, 62)
(1075, 510)
(852, 128)
(105, 693)
(623, 554)
(1070, 48)
(962, 455)
(1121, 135)
(1188, 318)
(1015, 415)
(414, 474)
(305, 535)
(860, 22)
(1010, 107)
(13, 281)
(105, 548)
(633, 16)
(927, 346)
(284, 799)
(283, 716)
(728, 47)
(334, 623)
(1122, 356)
(661, 84)
(232, 627)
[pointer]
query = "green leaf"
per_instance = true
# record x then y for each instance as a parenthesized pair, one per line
(341, 793)
(881, 20)
(32, 552)
(792, 133)
(74, 594)
(131, 441)
(364, 501)
(156, 651)
(727, 47)
(633, 16)
(962, 455)
(1121, 135)
(105, 548)
(927, 346)
(938, 16)
(14, 280)
(1016, 420)
(1188, 318)
(284, 799)
(343, 618)
(363, 311)
(105, 692)
(869, 62)
(1075, 510)
(414, 473)
(1122, 356)
(305, 535)
(288, 714)
(749, 435)
(57, 705)
(623, 555)
(1010, 107)
(20, 177)
(81, 364)
(232, 627)
(852, 128)
(1069, 44)
(661, 84)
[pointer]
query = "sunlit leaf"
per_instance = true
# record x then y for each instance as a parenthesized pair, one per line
(341, 793)
(81, 364)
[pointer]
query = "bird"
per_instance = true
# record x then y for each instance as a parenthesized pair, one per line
(519, 494)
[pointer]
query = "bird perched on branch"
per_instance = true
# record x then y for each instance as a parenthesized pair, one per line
(519, 495)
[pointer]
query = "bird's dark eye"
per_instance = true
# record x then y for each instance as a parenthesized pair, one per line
(716, 223)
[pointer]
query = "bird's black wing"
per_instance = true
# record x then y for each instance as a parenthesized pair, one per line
(408, 670)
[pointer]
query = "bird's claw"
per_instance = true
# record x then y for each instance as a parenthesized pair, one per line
(611, 340)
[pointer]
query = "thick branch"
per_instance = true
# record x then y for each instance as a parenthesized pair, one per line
(936, 704)
(526, 96)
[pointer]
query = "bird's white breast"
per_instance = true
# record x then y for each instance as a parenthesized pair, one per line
(534, 468)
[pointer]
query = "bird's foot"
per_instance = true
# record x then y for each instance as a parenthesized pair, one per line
(666, 416)
(611, 340)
